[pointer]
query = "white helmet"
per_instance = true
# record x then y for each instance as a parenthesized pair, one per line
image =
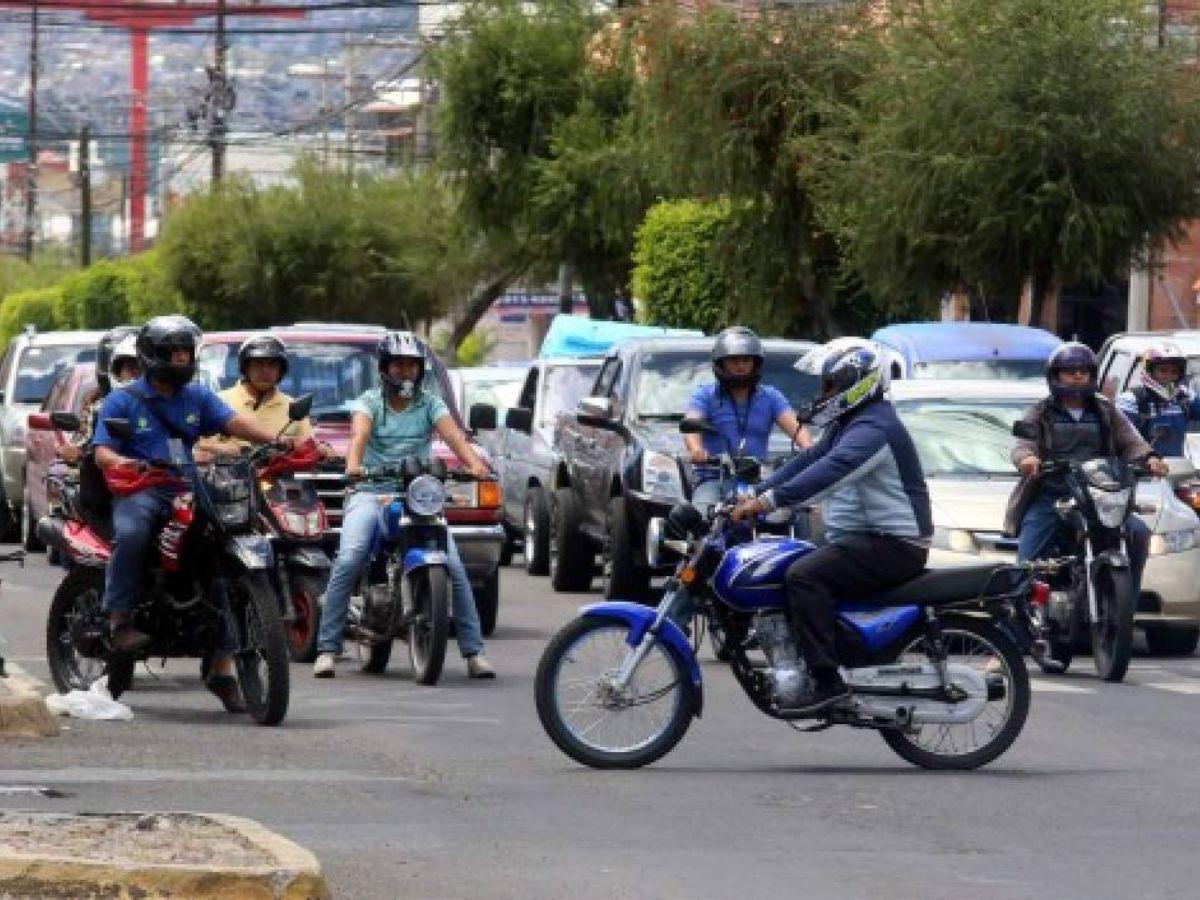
(125, 352)
(1162, 354)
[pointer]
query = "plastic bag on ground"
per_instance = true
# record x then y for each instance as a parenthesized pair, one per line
(94, 703)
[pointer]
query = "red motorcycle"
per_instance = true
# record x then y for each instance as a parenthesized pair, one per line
(208, 576)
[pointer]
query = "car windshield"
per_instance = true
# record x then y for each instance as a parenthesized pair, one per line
(963, 437)
(565, 387)
(982, 369)
(499, 391)
(668, 379)
(39, 366)
(335, 374)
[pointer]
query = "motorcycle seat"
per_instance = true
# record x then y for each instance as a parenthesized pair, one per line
(936, 587)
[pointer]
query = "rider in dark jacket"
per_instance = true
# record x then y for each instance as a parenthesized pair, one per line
(877, 512)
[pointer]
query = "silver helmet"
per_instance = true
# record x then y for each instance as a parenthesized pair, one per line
(737, 341)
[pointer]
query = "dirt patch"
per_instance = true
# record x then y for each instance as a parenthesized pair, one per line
(138, 839)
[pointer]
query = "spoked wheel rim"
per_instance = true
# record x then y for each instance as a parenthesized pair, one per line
(595, 713)
(253, 669)
(300, 629)
(85, 613)
(975, 650)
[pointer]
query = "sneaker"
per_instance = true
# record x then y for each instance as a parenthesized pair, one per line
(479, 667)
(323, 667)
(826, 694)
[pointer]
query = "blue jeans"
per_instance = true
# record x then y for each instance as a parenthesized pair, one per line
(136, 519)
(359, 524)
(1041, 527)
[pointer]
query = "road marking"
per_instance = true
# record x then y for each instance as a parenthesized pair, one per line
(1175, 687)
(1058, 687)
(80, 775)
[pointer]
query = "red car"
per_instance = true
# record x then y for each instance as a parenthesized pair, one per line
(67, 394)
(336, 363)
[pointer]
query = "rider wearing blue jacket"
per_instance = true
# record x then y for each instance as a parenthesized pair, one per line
(1162, 406)
(877, 512)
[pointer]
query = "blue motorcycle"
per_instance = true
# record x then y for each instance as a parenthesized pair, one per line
(930, 665)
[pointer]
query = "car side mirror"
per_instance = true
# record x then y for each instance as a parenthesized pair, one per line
(64, 421)
(519, 418)
(697, 426)
(300, 408)
(482, 417)
(121, 429)
(1025, 430)
(39, 421)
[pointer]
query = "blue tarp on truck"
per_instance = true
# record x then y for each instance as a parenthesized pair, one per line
(579, 336)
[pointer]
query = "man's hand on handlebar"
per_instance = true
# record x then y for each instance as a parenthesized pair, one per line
(1030, 466)
(699, 456)
(747, 509)
(1158, 467)
(479, 469)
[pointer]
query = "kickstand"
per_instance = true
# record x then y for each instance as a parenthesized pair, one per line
(809, 729)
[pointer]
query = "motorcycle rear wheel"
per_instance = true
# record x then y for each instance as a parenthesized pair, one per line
(302, 632)
(262, 664)
(980, 643)
(1112, 635)
(76, 608)
(429, 629)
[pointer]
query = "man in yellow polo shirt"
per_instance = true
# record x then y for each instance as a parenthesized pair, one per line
(263, 363)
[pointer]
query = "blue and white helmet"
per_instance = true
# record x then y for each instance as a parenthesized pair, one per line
(853, 374)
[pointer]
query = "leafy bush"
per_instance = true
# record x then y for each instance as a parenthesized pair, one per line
(36, 307)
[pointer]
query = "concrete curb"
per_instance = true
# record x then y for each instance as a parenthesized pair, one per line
(23, 710)
(294, 873)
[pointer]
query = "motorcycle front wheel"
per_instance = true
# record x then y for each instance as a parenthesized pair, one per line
(593, 721)
(1112, 633)
(429, 627)
(262, 663)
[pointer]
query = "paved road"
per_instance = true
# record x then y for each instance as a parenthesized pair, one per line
(454, 791)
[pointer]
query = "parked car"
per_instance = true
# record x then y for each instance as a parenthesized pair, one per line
(336, 363)
(962, 431)
(31, 363)
(495, 386)
(67, 394)
(967, 350)
(525, 456)
(619, 460)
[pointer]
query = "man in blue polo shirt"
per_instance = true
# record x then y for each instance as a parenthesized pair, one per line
(168, 413)
(742, 410)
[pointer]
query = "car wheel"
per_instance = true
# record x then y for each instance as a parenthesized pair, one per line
(572, 565)
(537, 532)
(627, 579)
(29, 538)
(1172, 641)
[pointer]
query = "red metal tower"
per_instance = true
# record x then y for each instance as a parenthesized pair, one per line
(140, 17)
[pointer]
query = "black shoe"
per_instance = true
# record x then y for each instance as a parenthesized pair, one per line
(825, 695)
(128, 640)
(226, 689)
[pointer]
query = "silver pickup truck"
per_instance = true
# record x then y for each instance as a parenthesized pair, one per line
(31, 363)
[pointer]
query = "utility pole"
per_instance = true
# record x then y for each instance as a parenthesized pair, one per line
(217, 111)
(351, 95)
(31, 171)
(85, 196)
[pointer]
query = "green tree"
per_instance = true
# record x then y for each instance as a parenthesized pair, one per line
(33, 307)
(997, 141)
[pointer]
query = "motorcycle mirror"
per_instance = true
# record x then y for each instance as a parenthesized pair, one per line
(1025, 430)
(121, 429)
(482, 417)
(300, 408)
(696, 426)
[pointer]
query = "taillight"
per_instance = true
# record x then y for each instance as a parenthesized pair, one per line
(1039, 595)
(489, 494)
(301, 522)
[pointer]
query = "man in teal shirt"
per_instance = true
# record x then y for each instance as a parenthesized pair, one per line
(393, 421)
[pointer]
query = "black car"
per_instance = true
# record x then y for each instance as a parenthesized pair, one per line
(620, 455)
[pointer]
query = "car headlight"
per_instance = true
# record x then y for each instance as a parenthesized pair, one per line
(660, 475)
(956, 540)
(1174, 541)
(425, 496)
(1110, 506)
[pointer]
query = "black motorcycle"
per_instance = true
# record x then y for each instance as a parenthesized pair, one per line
(1091, 581)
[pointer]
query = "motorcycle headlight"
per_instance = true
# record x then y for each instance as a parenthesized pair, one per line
(956, 540)
(426, 496)
(660, 476)
(1110, 506)
(1174, 541)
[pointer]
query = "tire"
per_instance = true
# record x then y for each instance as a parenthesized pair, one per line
(551, 665)
(1019, 692)
(303, 630)
(262, 663)
(507, 550)
(1166, 641)
(627, 579)
(574, 562)
(76, 632)
(487, 602)
(429, 629)
(1112, 637)
(537, 532)
(29, 538)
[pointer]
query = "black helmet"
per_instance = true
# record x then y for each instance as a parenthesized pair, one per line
(263, 346)
(158, 338)
(737, 341)
(1072, 355)
(104, 354)
(400, 345)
